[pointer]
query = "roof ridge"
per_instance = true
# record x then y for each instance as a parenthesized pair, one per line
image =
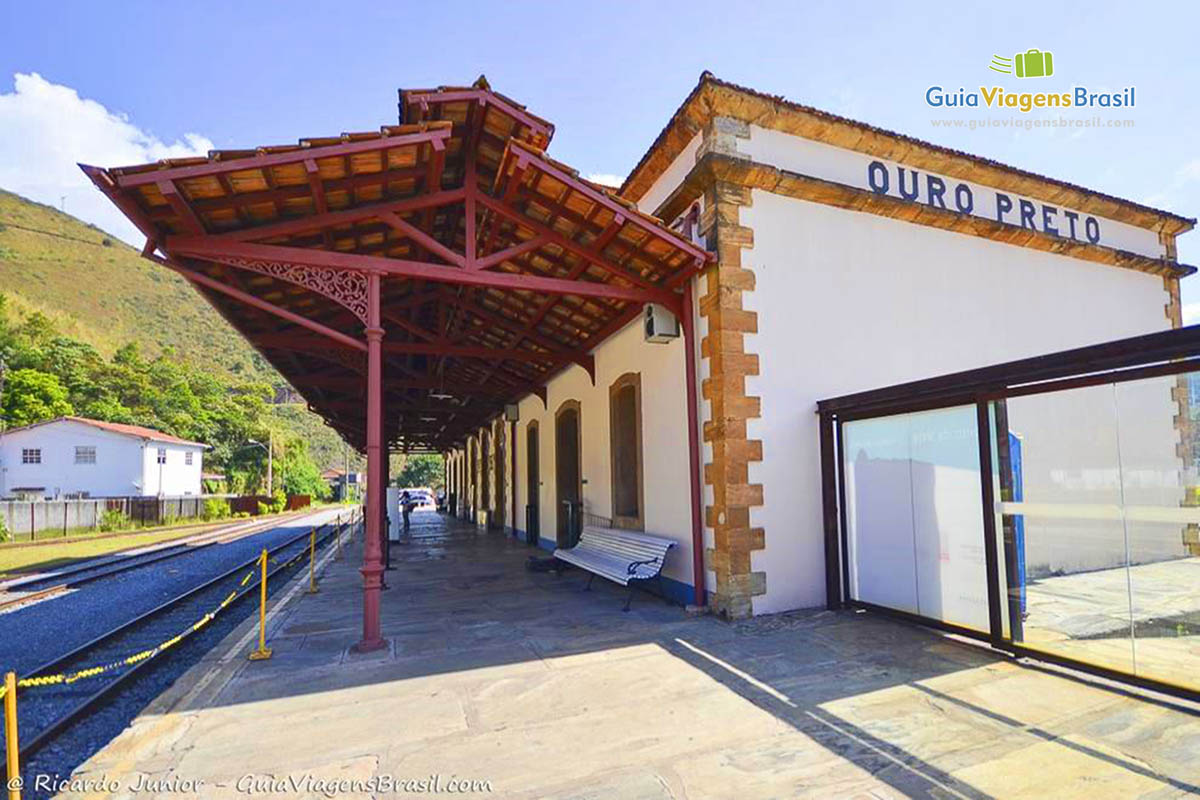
(707, 78)
(121, 428)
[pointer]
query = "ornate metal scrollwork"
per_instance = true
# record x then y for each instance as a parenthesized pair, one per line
(346, 287)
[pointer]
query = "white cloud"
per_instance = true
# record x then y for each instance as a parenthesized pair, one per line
(47, 129)
(606, 179)
(1191, 313)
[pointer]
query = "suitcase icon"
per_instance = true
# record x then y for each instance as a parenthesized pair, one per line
(1033, 63)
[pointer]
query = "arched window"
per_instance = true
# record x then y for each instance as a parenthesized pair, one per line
(625, 438)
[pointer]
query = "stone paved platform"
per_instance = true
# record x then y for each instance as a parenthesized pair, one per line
(525, 682)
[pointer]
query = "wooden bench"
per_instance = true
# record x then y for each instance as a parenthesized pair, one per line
(618, 555)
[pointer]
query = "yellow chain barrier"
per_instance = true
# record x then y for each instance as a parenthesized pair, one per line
(91, 672)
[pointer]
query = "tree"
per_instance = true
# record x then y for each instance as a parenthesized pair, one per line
(296, 472)
(422, 470)
(51, 375)
(32, 396)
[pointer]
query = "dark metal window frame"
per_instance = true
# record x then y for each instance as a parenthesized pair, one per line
(1173, 352)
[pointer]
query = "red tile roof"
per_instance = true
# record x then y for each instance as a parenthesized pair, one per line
(116, 427)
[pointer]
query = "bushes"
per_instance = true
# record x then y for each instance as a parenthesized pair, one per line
(5, 533)
(215, 508)
(114, 520)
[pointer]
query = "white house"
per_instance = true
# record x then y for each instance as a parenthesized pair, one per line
(89, 458)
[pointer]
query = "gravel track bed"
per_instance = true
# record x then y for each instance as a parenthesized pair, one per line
(33, 635)
(72, 747)
(103, 563)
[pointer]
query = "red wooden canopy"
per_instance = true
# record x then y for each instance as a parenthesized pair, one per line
(495, 265)
(409, 283)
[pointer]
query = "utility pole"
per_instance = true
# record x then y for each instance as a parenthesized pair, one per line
(269, 447)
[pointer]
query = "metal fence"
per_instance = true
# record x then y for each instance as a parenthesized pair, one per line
(48, 517)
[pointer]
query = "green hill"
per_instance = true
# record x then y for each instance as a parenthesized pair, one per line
(97, 289)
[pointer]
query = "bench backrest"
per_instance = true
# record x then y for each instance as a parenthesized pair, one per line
(632, 545)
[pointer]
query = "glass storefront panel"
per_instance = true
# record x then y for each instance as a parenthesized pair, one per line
(1066, 558)
(879, 513)
(947, 516)
(1162, 521)
(915, 524)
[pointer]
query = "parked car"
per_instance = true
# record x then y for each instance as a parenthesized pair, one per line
(422, 497)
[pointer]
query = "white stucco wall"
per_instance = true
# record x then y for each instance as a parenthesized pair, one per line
(124, 466)
(664, 439)
(671, 177)
(849, 301)
(174, 477)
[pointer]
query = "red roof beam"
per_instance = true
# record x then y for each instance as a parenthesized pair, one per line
(497, 354)
(263, 161)
(334, 218)
(180, 206)
(587, 254)
(213, 248)
(314, 183)
(249, 299)
(599, 197)
(412, 232)
(130, 209)
(232, 199)
(484, 98)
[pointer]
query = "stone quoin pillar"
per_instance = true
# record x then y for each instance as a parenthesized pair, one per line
(372, 568)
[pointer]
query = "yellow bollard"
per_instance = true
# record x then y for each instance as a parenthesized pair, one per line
(312, 561)
(263, 652)
(12, 743)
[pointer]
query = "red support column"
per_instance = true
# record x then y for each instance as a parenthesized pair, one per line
(372, 568)
(693, 419)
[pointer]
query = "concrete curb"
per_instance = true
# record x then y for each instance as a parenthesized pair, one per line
(207, 678)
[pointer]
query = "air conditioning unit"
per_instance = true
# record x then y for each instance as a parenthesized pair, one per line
(661, 326)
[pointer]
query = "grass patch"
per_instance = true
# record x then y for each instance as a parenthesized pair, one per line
(20, 560)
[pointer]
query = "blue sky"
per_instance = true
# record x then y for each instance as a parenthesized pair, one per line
(172, 78)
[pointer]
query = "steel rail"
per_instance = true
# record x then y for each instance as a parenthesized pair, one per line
(121, 563)
(45, 735)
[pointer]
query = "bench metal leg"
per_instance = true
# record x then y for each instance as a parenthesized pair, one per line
(591, 577)
(628, 599)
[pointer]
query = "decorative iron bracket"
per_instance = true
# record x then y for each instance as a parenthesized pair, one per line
(346, 287)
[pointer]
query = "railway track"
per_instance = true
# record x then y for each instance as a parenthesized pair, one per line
(38, 587)
(63, 690)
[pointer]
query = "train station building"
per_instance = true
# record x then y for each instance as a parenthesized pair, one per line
(800, 346)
